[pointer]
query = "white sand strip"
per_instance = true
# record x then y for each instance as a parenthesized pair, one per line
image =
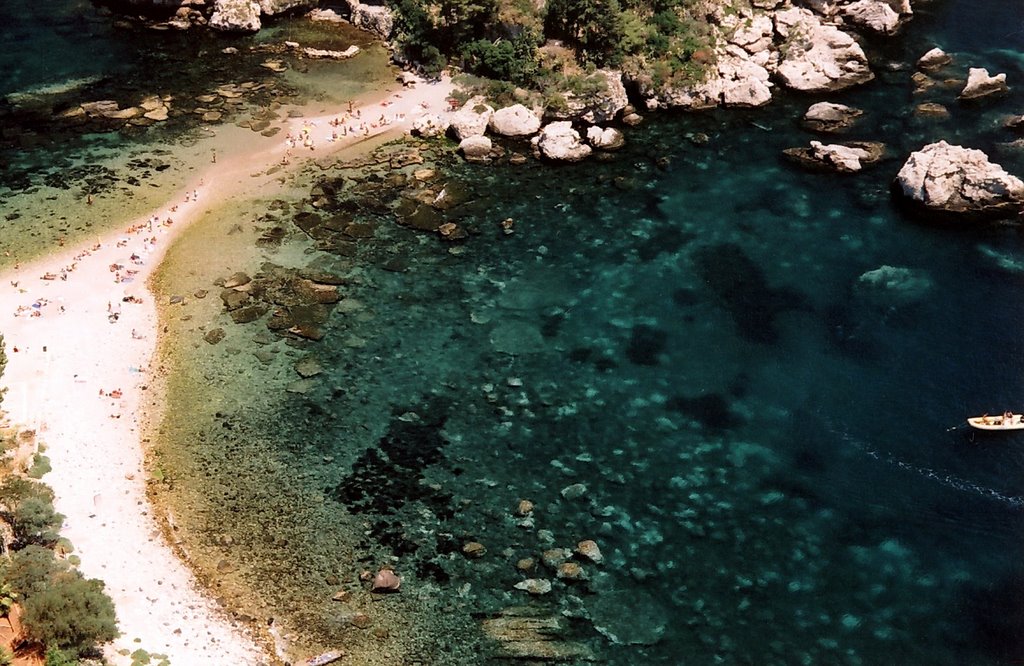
(79, 373)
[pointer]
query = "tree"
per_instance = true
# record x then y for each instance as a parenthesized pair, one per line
(27, 506)
(595, 27)
(63, 611)
(72, 613)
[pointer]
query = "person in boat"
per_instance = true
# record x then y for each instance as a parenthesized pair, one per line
(985, 419)
(1007, 417)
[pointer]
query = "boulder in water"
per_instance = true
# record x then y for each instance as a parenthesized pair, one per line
(952, 179)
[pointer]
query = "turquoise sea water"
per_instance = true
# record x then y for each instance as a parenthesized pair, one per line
(743, 381)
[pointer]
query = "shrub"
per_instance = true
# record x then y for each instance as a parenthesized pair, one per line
(29, 570)
(28, 507)
(62, 609)
(71, 613)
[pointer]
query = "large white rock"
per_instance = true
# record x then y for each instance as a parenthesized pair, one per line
(471, 119)
(980, 84)
(875, 15)
(559, 141)
(606, 139)
(235, 16)
(372, 18)
(515, 120)
(818, 57)
(429, 125)
(934, 59)
(476, 148)
(830, 117)
(955, 179)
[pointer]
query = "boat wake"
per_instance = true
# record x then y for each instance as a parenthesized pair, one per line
(948, 480)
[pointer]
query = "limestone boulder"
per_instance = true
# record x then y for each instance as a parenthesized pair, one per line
(607, 138)
(235, 16)
(830, 118)
(816, 57)
(559, 141)
(980, 84)
(836, 157)
(953, 179)
(476, 148)
(429, 125)
(471, 119)
(372, 18)
(515, 120)
(934, 59)
(878, 16)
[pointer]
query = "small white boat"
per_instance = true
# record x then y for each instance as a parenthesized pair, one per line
(1008, 421)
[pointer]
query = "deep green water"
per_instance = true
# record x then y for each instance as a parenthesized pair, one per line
(765, 438)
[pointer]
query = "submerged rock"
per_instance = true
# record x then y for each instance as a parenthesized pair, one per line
(531, 634)
(589, 550)
(627, 617)
(386, 580)
(896, 283)
(535, 586)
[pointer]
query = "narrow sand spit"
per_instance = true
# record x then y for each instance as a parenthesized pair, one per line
(80, 329)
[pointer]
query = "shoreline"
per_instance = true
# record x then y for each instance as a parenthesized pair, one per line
(81, 328)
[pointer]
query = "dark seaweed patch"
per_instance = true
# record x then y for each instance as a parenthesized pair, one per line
(645, 344)
(711, 410)
(741, 287)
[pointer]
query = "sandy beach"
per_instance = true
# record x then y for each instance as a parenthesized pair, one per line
(81, 328)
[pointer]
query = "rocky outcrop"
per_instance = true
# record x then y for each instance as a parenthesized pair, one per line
(952, 179)
(272, 7)
(471, 119)
(830, 118)
(740, 75)
(934, 59)
(372, 18)
(515, 120)
(816, 57)
(839, 158)
(605, 139)
(559, 141)
(235, 16)
(599, 106)
(884, 17)
(980, 84)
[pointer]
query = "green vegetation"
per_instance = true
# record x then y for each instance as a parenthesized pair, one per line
(510, 40)
(64, 614)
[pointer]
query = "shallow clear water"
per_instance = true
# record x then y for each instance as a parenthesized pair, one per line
(767, 440)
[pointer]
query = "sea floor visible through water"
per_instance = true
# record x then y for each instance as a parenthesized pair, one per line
(741, 380)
